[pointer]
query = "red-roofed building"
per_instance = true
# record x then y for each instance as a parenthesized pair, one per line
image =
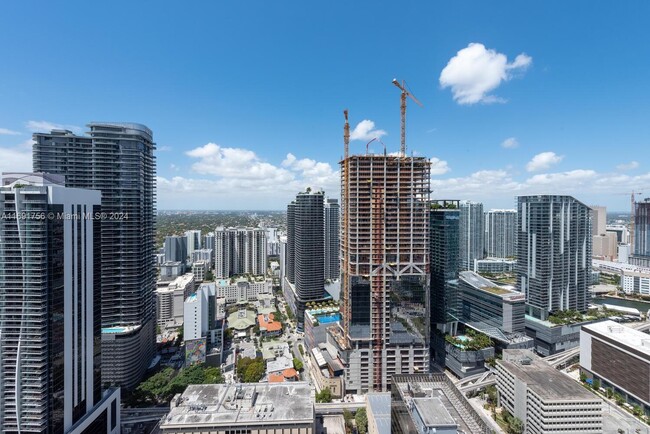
(290, 374)
(276, 377)
(268, 326)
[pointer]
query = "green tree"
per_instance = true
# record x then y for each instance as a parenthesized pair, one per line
(325, 395)
(609, 392)
(297, 364)
(250, 370)
(583, 377)
(361, 419)
(515, 425)
(596, 384)
(209, 277)
(347, 416)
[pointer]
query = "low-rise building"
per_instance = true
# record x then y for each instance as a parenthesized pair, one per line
(241, 290)
(268, 325)
(378, 411)
(200, 269)
(170, 297)
(495, 310)
(635, 279)
(205, 255)
(494, 265)
(619, 357)
(327, 369)
(171, 270)
(268, 408)
(543, 398)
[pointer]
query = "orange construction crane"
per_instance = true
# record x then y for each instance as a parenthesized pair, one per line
(405, 93)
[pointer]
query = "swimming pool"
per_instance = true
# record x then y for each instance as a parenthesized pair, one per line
(331, 317)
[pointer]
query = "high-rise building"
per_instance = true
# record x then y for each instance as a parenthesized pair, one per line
(239, 251)
(193, 241)
(384, 268)
(332, 263)
(175, 249)
(50, 308)
(500, 229)
(554, 253)
(642, 229)
(306, 239)
(291, 248)
(598, 219)
(208, 241)
(444, 218)
(472, 234)
(116, 159)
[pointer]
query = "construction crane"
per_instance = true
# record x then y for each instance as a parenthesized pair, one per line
(346, 134)
(405, 93)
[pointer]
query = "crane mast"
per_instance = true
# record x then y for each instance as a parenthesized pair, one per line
(404, 93)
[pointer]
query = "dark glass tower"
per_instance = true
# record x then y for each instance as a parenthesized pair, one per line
(116, 159)
(332, 264)
(444, 224)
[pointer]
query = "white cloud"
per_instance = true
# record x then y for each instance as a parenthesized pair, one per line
(439, 167)
(7, 132)
(45, 127)
(165, 148)
(543, 161)
(510, 143)
(365, 130)
(16, 158)
(476, 71)
(628, 166)
(237, 178)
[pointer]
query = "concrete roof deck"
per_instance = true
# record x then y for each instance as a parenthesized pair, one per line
(226, 405)
(433, 412)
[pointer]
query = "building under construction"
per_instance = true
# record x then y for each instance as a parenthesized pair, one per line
(384, 268)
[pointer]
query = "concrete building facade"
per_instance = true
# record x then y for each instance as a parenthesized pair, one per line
(50, 306)
(472, 234)
(543, 398)
(500, 233)
(239, 251)
(118, 160)
(385, 268)
(331, 222)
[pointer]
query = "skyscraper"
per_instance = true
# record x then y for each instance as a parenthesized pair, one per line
(444, 219)
(306, 229)
(472, 233)
(599, 220)
(642, 228)
(332, 264)
(208, 241)
(500, 228)
(50, 328)
(116, 159)
(239, 251)
(175, 249)
(384, 268)
(291, 248)
(193, 241)
(554, 253)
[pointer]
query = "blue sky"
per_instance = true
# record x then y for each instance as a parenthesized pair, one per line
(245, 98)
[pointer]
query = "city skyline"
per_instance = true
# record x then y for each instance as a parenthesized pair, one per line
(244, 125)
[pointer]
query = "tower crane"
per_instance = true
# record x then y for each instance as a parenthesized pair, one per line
(346, 134)
(402, 86)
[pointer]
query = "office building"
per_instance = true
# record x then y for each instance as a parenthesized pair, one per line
(193, 241)
(208, 241)
(205, 255)
(554, 253)
(432, 403)
(175, 249)
(283, 259)
(621, 231)
(290, 247)
(171, 270)
(116, 159)
(385, 268)
(204, 324)
(50, 318)
(170, 298)
(495, 310)
(239, 251)
(604, 246)
(472, 234)
(200, 270)
(286, 408)
(543, 398)
(619, 357)
(331, 221)
(495, 265)
(598, 219)
(272, 242)
(306, 239)
(444, 256)
(500, 230)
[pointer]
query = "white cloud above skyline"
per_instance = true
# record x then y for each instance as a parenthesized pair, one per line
(510, 143)
(8, 132)
(365, 130)
(475, 71)
(439, 167)
(46, 127)
(628, 166)
(543, 161)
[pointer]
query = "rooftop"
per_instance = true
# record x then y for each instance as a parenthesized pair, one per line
(267, 323)
(380, 405)
(483, 284)
(433, 412)
(543, 379)
(623, 335)
(228, 405)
